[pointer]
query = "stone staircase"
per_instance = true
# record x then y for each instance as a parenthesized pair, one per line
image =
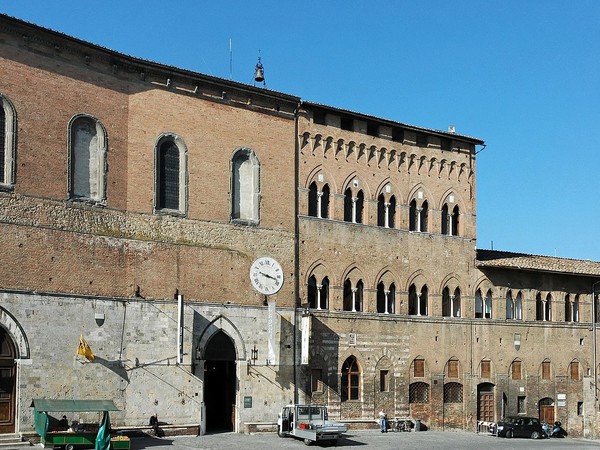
(12, 441)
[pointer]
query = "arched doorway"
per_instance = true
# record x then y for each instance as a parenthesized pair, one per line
(546, 406)
(8, 376)
(485, 402)
(220, 383)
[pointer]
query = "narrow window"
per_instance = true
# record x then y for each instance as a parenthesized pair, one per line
(312, 200)
(87, 153)
(539, 307)
(413, 300)
(519, 307)
(485, 369)
(171, 174)
(546, 370)
(488, 305)
(419, 368)
(509, 306)
(575, 316)
(521, 404)
(360, 198)
(412, 225)
(574, 371)
(456, 303)
(423, 217)
(7, 143)
(580, 408)
(423, 302)
(312, 292)
(325, 202)
(382, 212)
(350, 379)
(455, 221)
(516, 370)
(323, 292)
(548, 308)
(245, 186)
(384, 380)
(478, 305)
(316, 380)
(348, 205)
(445, 220)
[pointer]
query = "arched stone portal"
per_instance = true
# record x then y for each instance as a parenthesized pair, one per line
(220, 383)
(8, 378)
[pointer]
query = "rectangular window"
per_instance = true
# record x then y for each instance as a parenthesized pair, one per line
(521, 404)
(398, 135)
(384, 380)
(580, 408)
(421, 140)
(372, 129)
(347, 124)
(319, 117)
(546, 370)
(516, 370)
(316, 380)
(419, 369)
(453, 369)
(485, 369)
(574, 370)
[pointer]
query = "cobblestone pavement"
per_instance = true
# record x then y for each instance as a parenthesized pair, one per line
(368, 438)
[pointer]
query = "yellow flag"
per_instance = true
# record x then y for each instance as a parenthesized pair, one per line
(84, 349)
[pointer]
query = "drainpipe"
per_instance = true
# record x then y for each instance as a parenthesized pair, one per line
(594, 343)
(296, 251)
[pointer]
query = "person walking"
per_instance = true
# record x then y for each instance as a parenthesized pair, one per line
(383, 421)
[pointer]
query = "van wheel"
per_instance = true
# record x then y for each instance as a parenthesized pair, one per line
(307, 441)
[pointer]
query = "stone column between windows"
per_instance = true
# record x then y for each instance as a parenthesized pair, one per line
(386, 293)
(386, 222)
(354, 299)
(354, 200)
(319, 286)
(418, 304)
(418, 225)
(319, 195)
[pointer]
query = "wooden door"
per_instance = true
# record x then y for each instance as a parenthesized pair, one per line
(547, 414)
(7, 383)
(486, 406)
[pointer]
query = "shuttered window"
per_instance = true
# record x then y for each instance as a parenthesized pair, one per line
(516, 370)
(574, 370)
(453, 368)
(485, 369)
(419, 368)
(546, 370)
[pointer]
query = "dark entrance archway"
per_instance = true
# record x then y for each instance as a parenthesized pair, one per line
(220, 383)
(8, 376)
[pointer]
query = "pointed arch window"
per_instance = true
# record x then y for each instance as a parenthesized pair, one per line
(385, 298)
(509, 306)
(318, 201)
(171, 174)
(87, 145)
(386, 211)
(417, 301)
(543, 307)
(8, 130)
(318, 294)
(450, 220)
(575, 315)
(519, 307)
(418, 216)
(488, 305)
(450, 302)
(353, 296)
(245, 181)
(350, 379)
(353, 206)
(568, 308)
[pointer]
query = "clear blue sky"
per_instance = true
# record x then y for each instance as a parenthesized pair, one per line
(524, 76)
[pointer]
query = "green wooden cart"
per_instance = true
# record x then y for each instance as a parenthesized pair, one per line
(70, 439)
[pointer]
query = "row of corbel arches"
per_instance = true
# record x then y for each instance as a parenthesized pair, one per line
(401, 159)
(357, 194)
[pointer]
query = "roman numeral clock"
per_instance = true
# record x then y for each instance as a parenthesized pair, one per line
(266, 275)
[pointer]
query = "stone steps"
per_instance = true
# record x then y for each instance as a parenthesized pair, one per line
(12, 441)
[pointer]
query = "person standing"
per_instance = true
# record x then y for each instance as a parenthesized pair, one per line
(383, 421)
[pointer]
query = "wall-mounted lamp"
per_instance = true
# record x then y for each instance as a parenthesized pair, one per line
(252, 359)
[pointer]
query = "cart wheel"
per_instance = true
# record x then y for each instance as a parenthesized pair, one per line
(307, 441)
(69, 447)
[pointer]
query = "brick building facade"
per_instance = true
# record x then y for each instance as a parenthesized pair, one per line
(132, 189)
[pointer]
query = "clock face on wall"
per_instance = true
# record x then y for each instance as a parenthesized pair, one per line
(266, 275)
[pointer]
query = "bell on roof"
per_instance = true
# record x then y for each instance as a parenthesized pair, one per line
(259, 73)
